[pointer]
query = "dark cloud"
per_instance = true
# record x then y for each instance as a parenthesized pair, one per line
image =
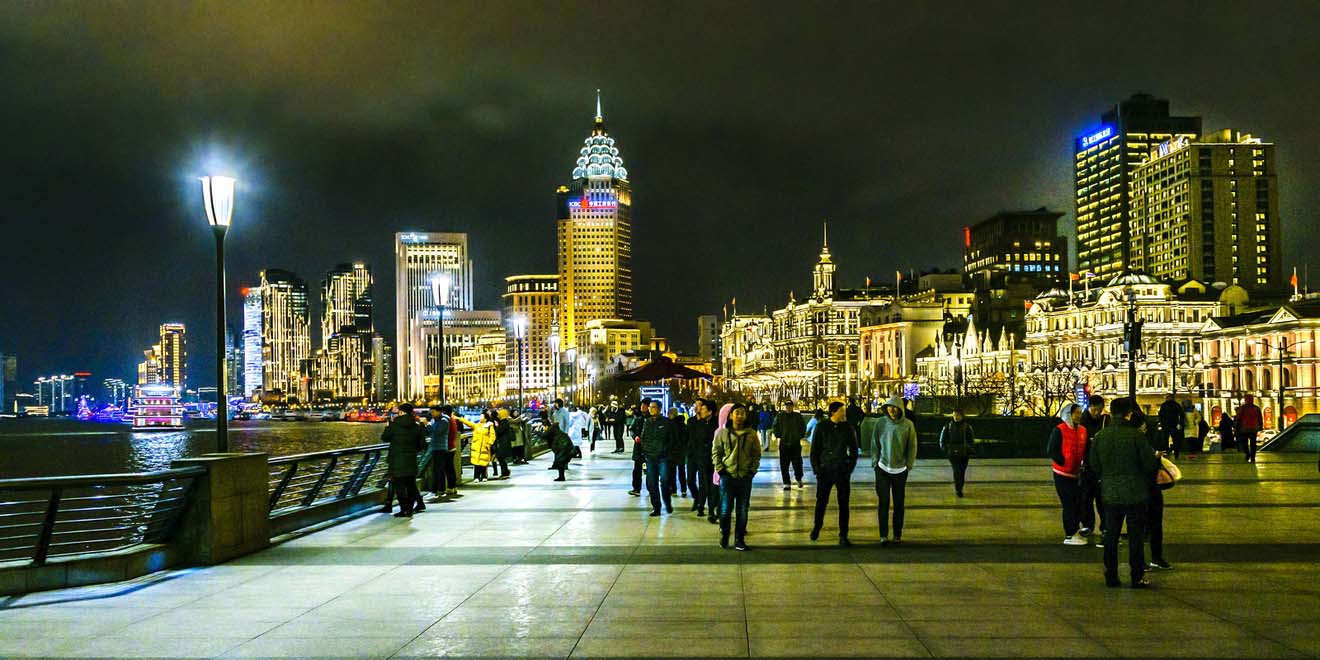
(743, 125)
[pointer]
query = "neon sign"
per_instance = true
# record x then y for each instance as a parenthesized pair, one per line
(585, 203)
(1097, 137)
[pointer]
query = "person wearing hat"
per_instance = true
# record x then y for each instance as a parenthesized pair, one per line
(893, 453)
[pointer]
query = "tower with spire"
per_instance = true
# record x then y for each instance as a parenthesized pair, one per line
(822, 275)
(595, 235)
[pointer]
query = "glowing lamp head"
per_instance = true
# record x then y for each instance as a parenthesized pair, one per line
(218, 194)
(440, 286)
(520, 327)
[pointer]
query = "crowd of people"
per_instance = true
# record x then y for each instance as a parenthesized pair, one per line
(1106, 465)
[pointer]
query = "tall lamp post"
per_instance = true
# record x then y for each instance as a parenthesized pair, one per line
(440, 295)
(1282, 346)
(218, 197)
(519, 334)
(554, 359)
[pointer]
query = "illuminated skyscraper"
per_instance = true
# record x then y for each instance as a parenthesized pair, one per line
(173, 355)
(251, 340)
(534, 298)
(595, 236)
(8, 382)
(285, 331)
(346, 301)
(1208, 209)
(424, 260)
(1105, 158)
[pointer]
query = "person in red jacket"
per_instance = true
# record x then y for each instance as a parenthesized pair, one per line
(1249, 422)
(1067, 448)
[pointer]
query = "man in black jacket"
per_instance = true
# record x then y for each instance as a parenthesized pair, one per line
(958, 443)
(655, 440)
(701, 433)
(833, 456)
(790, 428)
(1094, 420)
(1171, 426)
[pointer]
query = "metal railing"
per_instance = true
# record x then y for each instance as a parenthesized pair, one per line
(306, 480)
(47, 517)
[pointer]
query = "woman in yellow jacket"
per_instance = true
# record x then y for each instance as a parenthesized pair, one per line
(483, 445)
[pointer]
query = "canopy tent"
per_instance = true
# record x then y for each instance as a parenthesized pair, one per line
(661, 368)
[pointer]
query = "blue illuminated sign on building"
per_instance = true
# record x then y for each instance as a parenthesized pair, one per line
(586, 203)
(1100, 135)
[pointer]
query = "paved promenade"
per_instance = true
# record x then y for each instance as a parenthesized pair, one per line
(532, 568)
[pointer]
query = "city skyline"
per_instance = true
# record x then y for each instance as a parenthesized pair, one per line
(774, 160)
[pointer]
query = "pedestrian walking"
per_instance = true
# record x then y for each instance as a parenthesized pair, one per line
(958, 443)
(1067, 450)
(562, 447)
(636, 419)
(405, 437)
(765, 421)
(503, 442)
(834, 452)
(579, 426)
(1248, 423)
(1125, 462)
(1195, 428)
(893, 453)
(1227, 431)
(1170, 436)
(701, 434)
(736, 454)
(518, 442)
(676, 476)
(791, 429)
(596, 426)
(482, 448)
(855, 415)
(618, 425)
(656, 438)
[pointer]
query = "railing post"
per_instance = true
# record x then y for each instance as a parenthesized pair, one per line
(350, 485)
(284, 483)
(325, 474)
(366, 474)
(47, 527)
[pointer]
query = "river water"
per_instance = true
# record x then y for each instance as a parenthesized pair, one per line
(37, 447)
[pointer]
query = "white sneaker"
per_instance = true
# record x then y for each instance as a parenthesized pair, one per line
(1075, 539)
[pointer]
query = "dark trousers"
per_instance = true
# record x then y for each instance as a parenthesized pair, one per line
(479, 472)
(504, 466)
(891, 486)
(704, 494)
(405, 490)
(618, 437)
(637, 474)
(655, 468)
(1175, 441)
(959, 464)
(1135, 515)
(840, 482)
(1154, 524)
(790, 455)
(1092, 505)
(1070, 501)
(676, 476)
(1247, 441)
(442, 472)
(735, 498)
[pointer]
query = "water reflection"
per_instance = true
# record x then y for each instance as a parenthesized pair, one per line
(49, 447)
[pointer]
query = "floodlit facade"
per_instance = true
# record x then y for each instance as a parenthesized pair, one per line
(1079, 339)
(1242, 356)
(595, 237)
(462, 328)
(894, 334)
(478, 374)
(252, 360)
(344, 363)
(807, 350)
(1104, 160)
(286, 339)
(431, 269)
(535, 299)
(1208, 209)
(346, 301)
(173, 356)
(709, 347)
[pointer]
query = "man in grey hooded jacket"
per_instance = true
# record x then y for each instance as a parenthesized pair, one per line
(893, 453)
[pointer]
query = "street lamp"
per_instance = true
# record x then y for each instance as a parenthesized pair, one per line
(581, 367)
(519, 334)
(440, 295)
(554, 354)
(218, 197)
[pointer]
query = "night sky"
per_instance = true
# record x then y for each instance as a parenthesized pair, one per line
(743, 126)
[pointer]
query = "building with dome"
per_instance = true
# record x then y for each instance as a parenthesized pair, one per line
(595, 236)
(1076, 341)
